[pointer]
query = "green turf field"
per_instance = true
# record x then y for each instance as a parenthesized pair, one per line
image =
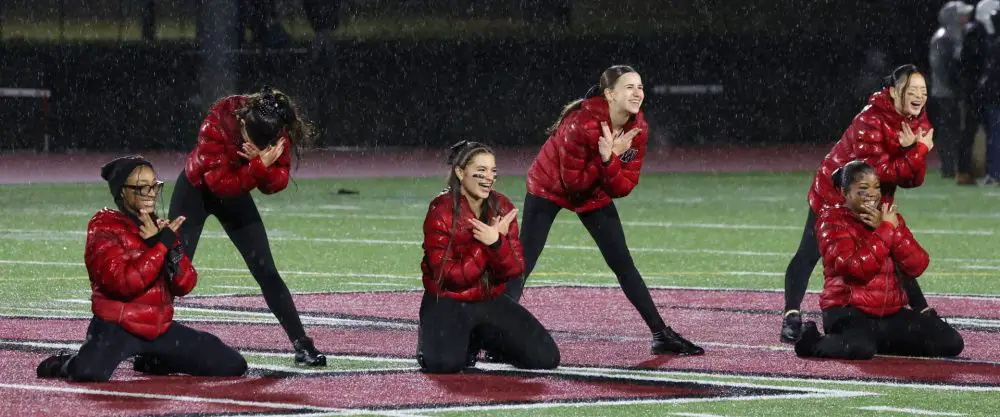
(686, 230)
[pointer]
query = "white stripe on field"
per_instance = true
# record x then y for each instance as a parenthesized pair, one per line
(305, 317)
(915, 411)
(697, 415)
(985, 297)
(564, 247)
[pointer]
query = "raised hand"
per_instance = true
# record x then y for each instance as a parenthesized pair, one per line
(272, 153)
(249, 149)
(624, 142)
(906, 136)
(606, 143)
(926, 138)
(175, 224)
(147, 228)
(502, 223)
(889, 214)
(488, 234)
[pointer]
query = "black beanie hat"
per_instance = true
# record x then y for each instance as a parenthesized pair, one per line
(117, 171)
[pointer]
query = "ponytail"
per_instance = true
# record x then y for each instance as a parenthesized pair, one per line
(573, 105)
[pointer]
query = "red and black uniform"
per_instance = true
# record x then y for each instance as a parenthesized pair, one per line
(134, 282)
(873, 137)
(863, 299)
(569, 173)
(217, 181)
(464, 280)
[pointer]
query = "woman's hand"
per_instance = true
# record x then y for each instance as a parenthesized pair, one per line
(488, 234)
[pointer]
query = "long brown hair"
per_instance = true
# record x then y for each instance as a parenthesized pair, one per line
(267, 112)
(608, 79)
(459, 156)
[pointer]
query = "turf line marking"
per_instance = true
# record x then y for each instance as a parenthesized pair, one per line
(696, 415)
(550, 246)
(636, 223)
(916, 411)
(236, 287)
(817, 380)
(378, 284)
(304, 317)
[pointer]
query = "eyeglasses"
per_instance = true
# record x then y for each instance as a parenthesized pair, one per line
(146, 190)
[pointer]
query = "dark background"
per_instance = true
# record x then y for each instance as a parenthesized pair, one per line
(425, 73)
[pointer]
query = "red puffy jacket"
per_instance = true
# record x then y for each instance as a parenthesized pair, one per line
(125, 276)
(568, 170)
(859, 264)
(873, 136)
(215, 163)
(455, 262)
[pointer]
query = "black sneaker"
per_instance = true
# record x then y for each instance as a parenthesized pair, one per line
(150, 364)
(667, 341)
(791, 327)
(471, 359)
(493, 356)
(52, 366)
(810, 336)
(306, 353)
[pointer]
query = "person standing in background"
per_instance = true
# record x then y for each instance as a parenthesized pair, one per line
(945, 83)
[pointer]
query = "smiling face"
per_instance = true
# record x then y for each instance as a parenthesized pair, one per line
(910, 95)
(626, 95)
(863, 191)
(140, 190)
(478, 176)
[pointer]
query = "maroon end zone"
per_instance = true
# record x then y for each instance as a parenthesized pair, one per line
(597, 327)
(29, 396)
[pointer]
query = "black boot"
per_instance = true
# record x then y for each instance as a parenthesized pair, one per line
(306, 353)
(668, 341)
(54, 366)
(791, 327)
(810, 336)
(150, 364)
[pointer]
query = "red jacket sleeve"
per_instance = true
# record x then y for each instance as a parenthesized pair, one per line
(620, 178)
(507, 260)
(185, 281)
(852, 258)
(906, 170)
(575, 155)
(461, 272)
(116, 272)
(908, 255)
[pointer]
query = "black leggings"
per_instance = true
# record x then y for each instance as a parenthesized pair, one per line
(182, 349)
(241, 221)
(450, 330)
(605, 228)
(852, 334)
(805, 260)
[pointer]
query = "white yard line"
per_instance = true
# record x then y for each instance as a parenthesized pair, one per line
(913, 411)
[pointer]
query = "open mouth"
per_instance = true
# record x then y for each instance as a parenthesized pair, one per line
(916, 104)
(486, 186)
(871, 204)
